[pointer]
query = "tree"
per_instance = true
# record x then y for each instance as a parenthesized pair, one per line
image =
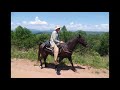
(94, 41)
(63, 29)
(80, 48)
(104, 48)
(67, 35)
(99, 43)
(40, 38)
(82, 33)
(22, 37)
(64, 34)
(12, 37)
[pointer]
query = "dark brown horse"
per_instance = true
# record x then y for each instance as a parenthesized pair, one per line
(70, 45)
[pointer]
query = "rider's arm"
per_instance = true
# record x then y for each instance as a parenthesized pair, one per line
(54, 37)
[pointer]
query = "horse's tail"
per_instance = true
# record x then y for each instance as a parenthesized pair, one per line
(39, 44)
(39, 51)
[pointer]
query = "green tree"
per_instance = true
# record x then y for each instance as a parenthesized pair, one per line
(94, 41)
(82, 33)
(104, 48)
(63, 29)
(64, 34)
(42, 38)
(12, 37)
(80, 48)
(22, 37)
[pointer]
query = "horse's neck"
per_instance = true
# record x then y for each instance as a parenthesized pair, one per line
(72, 44)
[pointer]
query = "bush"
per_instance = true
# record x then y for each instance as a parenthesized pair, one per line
(104, 47)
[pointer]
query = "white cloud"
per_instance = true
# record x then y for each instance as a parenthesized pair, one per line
(71, 23)
(88, 27)
(37, 21)
(24, 22)
(105, 26)
(36, 24)
(73, 26)
(18, 23)
(40, 26)
(43, 25)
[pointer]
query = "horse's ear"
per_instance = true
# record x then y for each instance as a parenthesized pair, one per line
(79, 36)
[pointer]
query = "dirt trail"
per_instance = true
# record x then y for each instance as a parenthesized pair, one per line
(22, 68)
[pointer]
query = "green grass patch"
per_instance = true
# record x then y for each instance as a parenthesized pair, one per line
(92, 59)
(30, 54)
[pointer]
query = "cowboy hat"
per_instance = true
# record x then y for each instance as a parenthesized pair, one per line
(56, 27)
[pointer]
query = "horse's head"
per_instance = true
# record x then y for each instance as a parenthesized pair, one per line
(81, 40)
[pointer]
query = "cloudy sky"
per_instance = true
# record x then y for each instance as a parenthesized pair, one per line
(86, 21)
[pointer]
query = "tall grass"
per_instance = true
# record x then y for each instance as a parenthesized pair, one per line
(92, 59)
(30, 54)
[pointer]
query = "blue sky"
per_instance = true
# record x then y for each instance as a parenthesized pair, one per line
(86, 21)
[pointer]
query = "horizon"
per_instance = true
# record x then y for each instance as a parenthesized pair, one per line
(38, 30)
(85, 21)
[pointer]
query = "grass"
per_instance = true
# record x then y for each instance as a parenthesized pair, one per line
(30, 54)
(91, 59)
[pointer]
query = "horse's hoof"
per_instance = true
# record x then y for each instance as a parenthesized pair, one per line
(55, 69)
(45, 66)
(58, 72)
(41, 67)
(74, 70)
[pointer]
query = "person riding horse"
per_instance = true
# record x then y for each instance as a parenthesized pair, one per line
(54, 41)
(65, 49)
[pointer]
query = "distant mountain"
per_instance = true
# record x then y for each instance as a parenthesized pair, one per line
(35, 31)
(94, 32)
(89, 32)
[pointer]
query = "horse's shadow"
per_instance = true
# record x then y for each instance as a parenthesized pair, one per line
(63, 66)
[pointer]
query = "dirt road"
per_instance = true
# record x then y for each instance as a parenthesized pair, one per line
(23, 68)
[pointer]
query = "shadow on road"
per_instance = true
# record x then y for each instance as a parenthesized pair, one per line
(63, 66)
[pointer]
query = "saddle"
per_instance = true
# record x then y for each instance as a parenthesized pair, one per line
(63, 46)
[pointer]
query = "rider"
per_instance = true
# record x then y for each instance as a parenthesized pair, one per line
(54, 41)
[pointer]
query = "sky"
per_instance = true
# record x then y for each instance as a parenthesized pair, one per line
(86, 21)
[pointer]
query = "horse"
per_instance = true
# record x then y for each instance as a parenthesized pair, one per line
(70, 45)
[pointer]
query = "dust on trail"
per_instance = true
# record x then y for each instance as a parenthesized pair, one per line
(23, 68)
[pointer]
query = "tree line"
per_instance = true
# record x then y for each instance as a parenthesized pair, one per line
(23, 38)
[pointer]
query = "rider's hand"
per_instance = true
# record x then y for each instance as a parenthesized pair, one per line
(61, 42)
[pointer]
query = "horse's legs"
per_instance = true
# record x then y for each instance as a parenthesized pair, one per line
(41, 62)
(45, 60)
(40, 57)
(37, 62)
(60, 59)
(73, 68)
(44, 56)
